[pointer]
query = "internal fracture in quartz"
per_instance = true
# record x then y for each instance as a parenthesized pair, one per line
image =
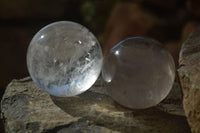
(64, 59)
(139, 72)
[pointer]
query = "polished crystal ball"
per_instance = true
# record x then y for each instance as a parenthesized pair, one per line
(64, 58)
(139, 72)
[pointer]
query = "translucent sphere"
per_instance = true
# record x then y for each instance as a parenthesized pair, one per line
(139, 72)
(64, 59)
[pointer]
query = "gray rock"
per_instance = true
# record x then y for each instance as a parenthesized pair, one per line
(189, 75)
(26, 108)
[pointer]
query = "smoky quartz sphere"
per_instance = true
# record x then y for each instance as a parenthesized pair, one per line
(139, 72)
(64, 59)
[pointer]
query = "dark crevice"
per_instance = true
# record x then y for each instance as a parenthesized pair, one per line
(181, 65)
(56, 129)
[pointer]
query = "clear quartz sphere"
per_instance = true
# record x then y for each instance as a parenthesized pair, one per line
(64, 59)
(139, 72)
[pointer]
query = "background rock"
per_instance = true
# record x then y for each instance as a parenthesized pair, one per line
(133, 19)
(26, 108)
(127, 20)
(193, 7)
(22, 9)
(188, 28)
(164, 7)
(174, 49)
(190, 80)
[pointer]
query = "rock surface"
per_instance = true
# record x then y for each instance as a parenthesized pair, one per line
(26, 108)
(189, 74)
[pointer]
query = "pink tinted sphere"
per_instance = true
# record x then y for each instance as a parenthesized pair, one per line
(139, 72)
